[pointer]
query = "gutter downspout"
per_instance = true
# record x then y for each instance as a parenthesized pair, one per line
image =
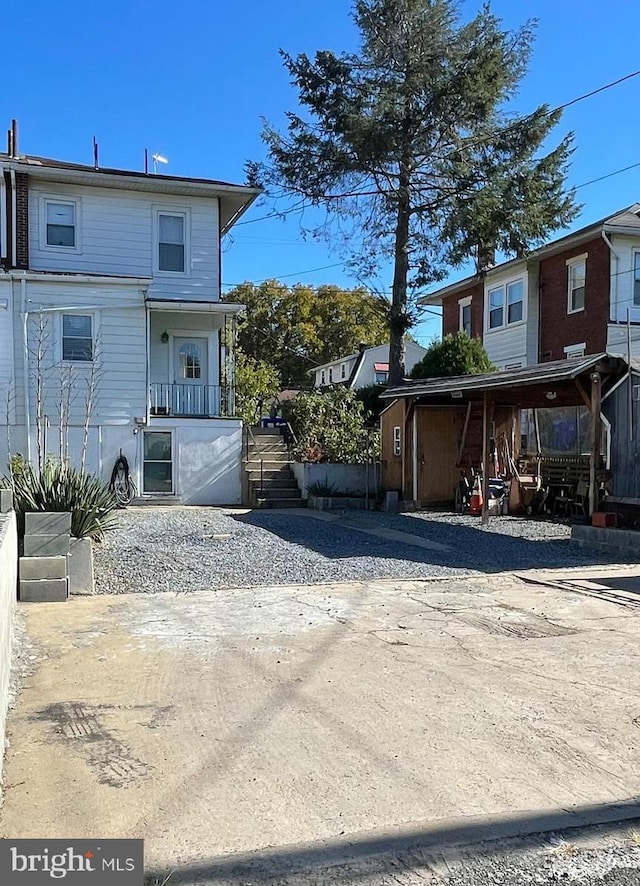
(25, 364)
(615, 285)
(14, 218)
(3, 215)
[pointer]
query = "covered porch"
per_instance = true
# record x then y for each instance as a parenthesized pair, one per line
(190, 358)
(434, 428)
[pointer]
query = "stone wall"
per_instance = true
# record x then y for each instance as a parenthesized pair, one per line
(8, 580)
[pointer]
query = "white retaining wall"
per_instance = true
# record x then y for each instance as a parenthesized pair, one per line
(344, 478)
(8, 579)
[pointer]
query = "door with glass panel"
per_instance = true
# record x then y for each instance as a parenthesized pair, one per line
(157, 463)
(191, 393)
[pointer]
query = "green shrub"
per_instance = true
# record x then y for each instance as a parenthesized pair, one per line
(60, 487)
(331, 427)
(456, 354)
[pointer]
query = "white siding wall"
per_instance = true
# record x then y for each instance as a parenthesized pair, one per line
(533, 315)
(116, 236)
(7, 386)
(509, 344)
(622, 279)
(200, 324)
(120, 334)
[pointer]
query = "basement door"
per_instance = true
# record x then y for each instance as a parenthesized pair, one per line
(437, 451)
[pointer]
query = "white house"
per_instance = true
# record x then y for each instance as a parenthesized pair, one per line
(370, 366)
(110, 289)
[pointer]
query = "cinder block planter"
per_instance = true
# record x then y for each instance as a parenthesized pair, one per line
(47, 523)
(354, 479)
(624, 542)
(47, 590)
(38, 568)
(46, 545)
(80, 562)
(337, 503)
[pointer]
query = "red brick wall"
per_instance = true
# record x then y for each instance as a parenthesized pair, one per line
(22, 220)
(558, 328)
(451, 311)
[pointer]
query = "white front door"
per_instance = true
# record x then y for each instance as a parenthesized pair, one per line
(191, 376)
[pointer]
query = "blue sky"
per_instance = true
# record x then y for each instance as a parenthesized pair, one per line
(192, 80)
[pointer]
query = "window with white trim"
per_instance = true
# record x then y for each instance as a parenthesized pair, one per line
(171, 242)
(464, 318)
(636, 279)
(60, 223)
(343, 370)
(157, 462)
(576, 278)
(505, 304)
(330, 375)
(322, 377)
(574, 351)
(77, 338)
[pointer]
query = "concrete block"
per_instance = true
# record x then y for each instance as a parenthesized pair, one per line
(54, 590)
(6, 501)
(81, 566)
(391, 500)
(46, 545)
(47, 523)
(37, 568)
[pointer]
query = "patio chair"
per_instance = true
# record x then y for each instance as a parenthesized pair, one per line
(580, 498)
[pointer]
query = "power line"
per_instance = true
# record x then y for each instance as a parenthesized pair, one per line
(608, 175)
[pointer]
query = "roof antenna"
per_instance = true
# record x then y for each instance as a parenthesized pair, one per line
(95, 153)
(14, 138)
(146, 161)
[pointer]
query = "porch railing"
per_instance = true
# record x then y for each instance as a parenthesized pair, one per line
(204, 401)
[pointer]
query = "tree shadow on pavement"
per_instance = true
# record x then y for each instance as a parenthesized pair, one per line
(440, 544)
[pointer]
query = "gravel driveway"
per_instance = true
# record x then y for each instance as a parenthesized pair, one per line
(194, 549)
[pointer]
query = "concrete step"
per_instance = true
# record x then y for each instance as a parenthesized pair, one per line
(283, 473)
(269, 456)
(275, 482)
(270, 492)
(265, 432)
(281, 502)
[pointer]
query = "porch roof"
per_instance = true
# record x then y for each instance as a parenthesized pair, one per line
(191, 307)
(556, 383)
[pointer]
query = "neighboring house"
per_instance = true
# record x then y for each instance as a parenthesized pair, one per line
(370, 366)
(114, 277)
(569, 298)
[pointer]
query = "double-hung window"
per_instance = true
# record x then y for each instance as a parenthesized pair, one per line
(172, 242)
(77, 338)
(576, 276)
(636, 279)
(59, 220)
(506, 304)
(464, 321)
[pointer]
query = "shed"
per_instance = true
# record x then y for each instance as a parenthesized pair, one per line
(433, 427)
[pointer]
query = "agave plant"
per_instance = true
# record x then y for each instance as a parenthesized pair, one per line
(59, 487)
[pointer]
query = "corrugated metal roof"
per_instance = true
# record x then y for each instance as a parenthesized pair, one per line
(540, 373)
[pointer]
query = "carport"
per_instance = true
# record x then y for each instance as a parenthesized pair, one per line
(433, 427)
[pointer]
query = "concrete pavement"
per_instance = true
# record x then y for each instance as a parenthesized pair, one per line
(233, 721)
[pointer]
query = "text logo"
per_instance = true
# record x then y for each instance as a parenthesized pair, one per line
(72, 862)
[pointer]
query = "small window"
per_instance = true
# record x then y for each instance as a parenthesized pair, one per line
(171, 243)
(190, 361)
(330, 375)
(397, 441)
(157, 462)
(77, 338)
(574, 351)
(577, 272)
(322, 377)
(636, 279)
(515, 301)
(496, 307)
(60, 224)
(381, 376)
(343, 370)
(465, 324)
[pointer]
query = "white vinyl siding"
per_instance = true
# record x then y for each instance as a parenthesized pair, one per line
(576, 279)
(636, 279)
(115, 236)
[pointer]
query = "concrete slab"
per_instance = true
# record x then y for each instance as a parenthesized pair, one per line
(80, 562)
(228, 722)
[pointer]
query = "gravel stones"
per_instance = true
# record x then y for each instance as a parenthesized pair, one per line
(190, 549)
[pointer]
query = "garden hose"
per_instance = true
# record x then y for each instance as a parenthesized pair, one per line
(121, 483)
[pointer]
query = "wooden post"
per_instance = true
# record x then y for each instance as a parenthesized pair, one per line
(485, 458)
(594, 460)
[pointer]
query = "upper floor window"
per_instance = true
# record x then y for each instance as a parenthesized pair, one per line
(322, 377)
(381, 373)
(506, 304)
(636, 279)
(343, 370)
(576, 275)
(171, 242)
(77, 338)
(464, 323)
(330, 375)
(59, 224)
(190, 361)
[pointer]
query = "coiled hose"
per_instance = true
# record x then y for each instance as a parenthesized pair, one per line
(121, 484)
